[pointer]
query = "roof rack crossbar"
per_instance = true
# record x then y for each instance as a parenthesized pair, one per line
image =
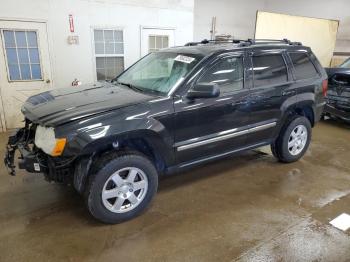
(206, 41)
(247, 42)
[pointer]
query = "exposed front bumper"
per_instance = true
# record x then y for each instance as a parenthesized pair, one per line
(34, 160)
(344, 115)
(27, 159)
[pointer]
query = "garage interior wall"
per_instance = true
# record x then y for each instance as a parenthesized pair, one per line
(319, 34)
(237, 18)
(69, 62)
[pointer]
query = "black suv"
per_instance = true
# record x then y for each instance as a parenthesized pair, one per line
(171, 110)
(338, 94)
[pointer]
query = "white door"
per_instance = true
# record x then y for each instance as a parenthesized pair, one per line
(153, 39)
(24, 67)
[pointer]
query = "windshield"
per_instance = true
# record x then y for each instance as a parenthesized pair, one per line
(346, 64)
(159, 72)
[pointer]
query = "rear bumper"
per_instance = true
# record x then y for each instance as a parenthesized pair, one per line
(344, 115)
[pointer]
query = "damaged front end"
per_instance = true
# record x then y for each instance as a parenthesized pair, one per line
(23, 141)
(33, 159)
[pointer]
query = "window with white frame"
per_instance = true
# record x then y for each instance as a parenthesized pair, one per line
(22, 55)
(156, 42)
(109, 53)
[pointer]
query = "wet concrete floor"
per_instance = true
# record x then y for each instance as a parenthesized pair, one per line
(245, 208)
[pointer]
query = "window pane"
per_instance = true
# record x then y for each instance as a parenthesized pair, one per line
(34, 55)
(151, 42)
(118, 36)
(109, 67)
(9, 38)
(111, 73)
(36, 71)
(165, 41)
(25, 72)
(21, 39)
(14, 72)
(32, 39)
(110, 62)
(303, 67)
(23, 62)
(119, 65)
(98, 35)
(119, 48)
(11, 55)
(100, 62)
(101, 74)
(108, 35)
(158, 42)
(269, 70)
(99, 48)
(228, 74)
(23, 55)
(109, 48)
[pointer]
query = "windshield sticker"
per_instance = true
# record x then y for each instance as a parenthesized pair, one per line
(184, 59)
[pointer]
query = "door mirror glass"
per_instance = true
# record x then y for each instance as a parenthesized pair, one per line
(204, 90)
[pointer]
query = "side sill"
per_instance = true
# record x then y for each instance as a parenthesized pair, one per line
(187, 165)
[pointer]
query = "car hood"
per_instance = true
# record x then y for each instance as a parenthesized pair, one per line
(336, 70)
(63, 105)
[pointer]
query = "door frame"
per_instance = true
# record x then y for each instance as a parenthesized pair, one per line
(3, 127)
(143, 27)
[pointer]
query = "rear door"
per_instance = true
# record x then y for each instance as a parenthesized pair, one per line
(272, 90)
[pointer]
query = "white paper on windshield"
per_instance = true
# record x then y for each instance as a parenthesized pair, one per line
(184, 59)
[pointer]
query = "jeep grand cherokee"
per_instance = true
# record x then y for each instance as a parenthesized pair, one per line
(171, 110)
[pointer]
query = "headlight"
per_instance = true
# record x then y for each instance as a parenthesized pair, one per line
(46, 140)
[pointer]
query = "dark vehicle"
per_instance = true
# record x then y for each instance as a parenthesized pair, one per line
(171, 110)
(338, 94)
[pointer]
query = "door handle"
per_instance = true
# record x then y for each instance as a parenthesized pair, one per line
(289, 93)
(240, 103)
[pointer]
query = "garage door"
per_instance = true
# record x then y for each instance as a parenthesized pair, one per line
(25, 69)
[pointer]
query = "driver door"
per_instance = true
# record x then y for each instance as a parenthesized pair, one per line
(212, 126)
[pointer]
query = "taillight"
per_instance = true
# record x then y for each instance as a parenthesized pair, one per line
(324, 87)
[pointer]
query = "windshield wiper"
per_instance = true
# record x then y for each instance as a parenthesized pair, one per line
(131, 86)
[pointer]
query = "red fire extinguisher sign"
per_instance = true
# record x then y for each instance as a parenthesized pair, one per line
(71, 24)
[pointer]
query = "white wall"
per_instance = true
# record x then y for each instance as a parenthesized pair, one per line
(238, 17)
(76, 61)
(234, 17)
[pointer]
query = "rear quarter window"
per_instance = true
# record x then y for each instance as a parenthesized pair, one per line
(303, 67)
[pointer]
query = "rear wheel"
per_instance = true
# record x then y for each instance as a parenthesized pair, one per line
(293, 140)
(121, 188)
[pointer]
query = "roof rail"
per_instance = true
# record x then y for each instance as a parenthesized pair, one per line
(247, 42)
(206, 41)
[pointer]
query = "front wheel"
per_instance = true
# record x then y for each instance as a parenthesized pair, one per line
(293, 141)
(121, 188)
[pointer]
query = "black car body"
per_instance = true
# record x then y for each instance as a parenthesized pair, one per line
(338, 94)
(198, 120)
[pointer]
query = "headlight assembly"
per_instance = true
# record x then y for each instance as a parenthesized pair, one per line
(46, 140)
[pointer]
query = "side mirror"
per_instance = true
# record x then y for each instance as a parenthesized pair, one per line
(203, 90)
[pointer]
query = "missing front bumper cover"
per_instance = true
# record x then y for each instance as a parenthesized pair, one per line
(27, 159)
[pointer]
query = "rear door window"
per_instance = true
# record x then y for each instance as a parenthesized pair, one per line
(269, 70)
(303, 67)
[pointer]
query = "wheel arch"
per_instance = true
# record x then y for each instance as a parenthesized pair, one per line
(145, 142)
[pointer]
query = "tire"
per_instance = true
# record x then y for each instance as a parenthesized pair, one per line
(112, 194)
(287, 151)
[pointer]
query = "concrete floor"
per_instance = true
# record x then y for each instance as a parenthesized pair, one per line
(245, 208)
